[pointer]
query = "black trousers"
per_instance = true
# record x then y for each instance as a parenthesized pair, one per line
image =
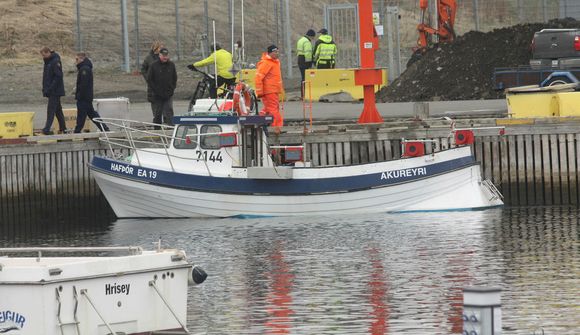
(325, 66)
(162, 111)
(303, 66)
(84, 109)
(220, 82)
(54, 108)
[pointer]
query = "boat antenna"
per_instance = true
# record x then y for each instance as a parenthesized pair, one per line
(233, 7)
(240, 46)
(243, 46)
(214, 64)
(214, 56)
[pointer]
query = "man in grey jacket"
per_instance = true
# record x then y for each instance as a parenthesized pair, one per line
(151, 58)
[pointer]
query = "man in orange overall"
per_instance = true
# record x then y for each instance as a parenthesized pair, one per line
(269, 86)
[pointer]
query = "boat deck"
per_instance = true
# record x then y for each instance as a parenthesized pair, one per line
(26, 265)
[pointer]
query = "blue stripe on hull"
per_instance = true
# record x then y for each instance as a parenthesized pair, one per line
(274, 186)
(450, 210)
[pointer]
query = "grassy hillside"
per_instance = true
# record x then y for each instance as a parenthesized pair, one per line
(26, 25)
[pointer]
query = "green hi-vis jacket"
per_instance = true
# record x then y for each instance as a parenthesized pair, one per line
(304, 48)
(326, 50)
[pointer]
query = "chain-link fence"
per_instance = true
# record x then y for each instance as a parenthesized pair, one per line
(186, 26)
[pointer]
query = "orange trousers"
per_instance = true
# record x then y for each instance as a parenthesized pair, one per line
(271, 104)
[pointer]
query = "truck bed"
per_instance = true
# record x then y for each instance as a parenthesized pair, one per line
(505, 77)
(557, 48)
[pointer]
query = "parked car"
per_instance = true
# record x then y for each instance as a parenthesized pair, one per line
(555, 60)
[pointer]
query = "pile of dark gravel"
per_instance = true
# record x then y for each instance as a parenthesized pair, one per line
(463, 69)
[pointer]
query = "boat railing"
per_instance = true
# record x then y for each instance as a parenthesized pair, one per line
(130, 134)
(39, 251)
(133, 135)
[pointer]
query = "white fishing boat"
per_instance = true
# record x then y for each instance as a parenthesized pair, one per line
(94, 291)
(216, 164)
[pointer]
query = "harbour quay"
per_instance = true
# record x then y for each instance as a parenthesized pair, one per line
(531, 161)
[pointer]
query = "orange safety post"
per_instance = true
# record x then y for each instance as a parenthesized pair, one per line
(368, 76)
(307, 103)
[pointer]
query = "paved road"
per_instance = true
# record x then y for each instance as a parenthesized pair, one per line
(141, 111)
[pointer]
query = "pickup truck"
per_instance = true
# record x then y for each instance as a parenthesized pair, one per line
(556, 48)
(554, 51)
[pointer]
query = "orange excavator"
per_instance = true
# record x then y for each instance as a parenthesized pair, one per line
(445, 32)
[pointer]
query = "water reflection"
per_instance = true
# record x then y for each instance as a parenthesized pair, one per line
(379, 294)
(54, 218)
(279, 299)
(379, 274)
(539, 248)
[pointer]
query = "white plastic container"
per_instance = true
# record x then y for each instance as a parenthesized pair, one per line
(113, 108)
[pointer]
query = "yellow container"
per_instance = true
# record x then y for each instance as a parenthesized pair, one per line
(249, 76)
(70, 119)
(531, 105)
(543, 104)
(17, 124)
(328, 81)
(569, 103)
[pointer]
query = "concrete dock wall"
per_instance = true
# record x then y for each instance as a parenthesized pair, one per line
(535, 162)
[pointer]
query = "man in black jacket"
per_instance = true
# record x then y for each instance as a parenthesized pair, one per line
(53, 89)
(152, 57)
(84, 94)
(162, 78)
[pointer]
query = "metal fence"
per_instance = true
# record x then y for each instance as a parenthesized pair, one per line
(185, 26)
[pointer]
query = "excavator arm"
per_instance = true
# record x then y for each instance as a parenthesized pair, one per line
(446, 10)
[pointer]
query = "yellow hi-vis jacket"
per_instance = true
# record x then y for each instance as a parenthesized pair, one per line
(326, 50)
(223, 60)
(304, 48)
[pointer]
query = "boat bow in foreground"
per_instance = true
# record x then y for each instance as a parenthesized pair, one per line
(94, 290)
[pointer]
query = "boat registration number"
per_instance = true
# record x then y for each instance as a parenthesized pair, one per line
(130, 170)
(209, 155)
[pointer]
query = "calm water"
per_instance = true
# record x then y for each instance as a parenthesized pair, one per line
(379, 274)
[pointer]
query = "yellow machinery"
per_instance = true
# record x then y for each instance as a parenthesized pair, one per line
(323, 82)
(328, 81)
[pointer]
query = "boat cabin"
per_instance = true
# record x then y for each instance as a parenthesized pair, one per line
(220, 145)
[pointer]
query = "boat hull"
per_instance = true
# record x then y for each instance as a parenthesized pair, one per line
(93, 295)
(419, 184)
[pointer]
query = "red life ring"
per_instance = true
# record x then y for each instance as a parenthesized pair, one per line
(242, 99)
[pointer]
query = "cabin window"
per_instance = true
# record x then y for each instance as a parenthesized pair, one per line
(211, 142)
(185, 137)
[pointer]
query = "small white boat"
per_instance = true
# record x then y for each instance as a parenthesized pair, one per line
(94, 291)
(220, 165)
